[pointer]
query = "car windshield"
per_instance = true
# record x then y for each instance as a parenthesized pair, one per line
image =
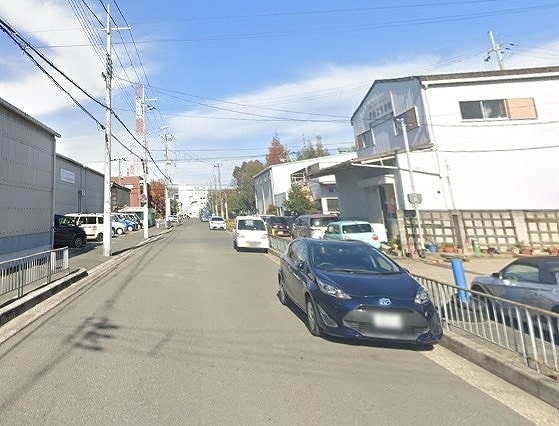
(251, 225)
(351, 257)
(65, 221)
(357, 228)
(278, 221)
(322, 221)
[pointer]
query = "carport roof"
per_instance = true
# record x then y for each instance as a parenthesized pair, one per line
(378, 160)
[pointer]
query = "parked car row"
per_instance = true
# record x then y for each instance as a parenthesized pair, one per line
(74, 229)
(327, 226)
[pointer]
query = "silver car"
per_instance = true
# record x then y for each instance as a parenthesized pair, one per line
(532, 281)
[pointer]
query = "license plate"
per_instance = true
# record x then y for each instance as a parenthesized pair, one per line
(387, 320)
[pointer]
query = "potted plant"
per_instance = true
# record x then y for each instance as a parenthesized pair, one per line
(447, 247)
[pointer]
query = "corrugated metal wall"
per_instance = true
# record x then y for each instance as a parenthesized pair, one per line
(26, 185)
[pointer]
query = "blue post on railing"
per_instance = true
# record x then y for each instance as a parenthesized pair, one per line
(460, 279)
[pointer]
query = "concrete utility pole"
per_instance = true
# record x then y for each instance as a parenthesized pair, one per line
(145, 195)
(219, 194)
(107, 228)
(414, 198)
(108, 75)
(167, 137)
(496, 47)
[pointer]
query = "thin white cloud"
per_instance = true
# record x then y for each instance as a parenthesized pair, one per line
(328, 89)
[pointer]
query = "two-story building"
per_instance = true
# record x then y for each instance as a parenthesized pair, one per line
(272, 184)
(459, 159)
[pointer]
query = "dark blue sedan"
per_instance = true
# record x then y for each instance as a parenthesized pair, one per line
(352, 290)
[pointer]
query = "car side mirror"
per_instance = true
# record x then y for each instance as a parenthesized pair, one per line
(302, 265)
(496, 275)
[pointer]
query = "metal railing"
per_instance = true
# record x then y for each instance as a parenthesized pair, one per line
(531, 332)
(278, 244)
(17, 276)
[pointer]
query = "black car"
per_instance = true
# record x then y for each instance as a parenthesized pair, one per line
(351, 290)
(278, 225)
(67, 233)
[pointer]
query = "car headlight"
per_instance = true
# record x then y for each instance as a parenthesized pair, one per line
(332, 290)
(421, 297)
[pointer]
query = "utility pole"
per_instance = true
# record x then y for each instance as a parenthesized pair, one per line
(167, 138)
(414, 197)
(120, 160)
(219, 194)
(496, 47)
(108, 75)
(145, 195)
(107, 228)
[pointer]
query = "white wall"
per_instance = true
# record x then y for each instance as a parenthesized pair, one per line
(497, 169)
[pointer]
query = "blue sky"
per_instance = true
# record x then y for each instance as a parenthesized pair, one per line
(226, 76)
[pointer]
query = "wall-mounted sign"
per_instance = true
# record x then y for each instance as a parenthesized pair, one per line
(67, 176)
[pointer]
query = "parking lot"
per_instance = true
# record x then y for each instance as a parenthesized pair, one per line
(91, 255)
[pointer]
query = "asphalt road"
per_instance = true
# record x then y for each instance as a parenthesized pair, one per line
(188, 331)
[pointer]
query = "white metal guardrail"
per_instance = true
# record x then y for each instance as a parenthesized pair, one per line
(18, 275)
(278, 244)
(528, 331)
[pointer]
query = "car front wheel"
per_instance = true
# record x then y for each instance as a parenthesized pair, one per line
(78, 242)
(120, 231)
(312, 321)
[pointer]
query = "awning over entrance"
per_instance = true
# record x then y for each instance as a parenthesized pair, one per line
(379, 162)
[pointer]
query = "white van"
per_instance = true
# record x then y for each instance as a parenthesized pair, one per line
(250, 232)
(92, 223)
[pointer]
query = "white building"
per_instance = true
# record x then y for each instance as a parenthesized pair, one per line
(272, 184)
(479, 141)
(191, 199)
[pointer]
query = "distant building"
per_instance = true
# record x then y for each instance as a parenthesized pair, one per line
(191, 199)
(27, 164)
(79, 189)
(136, 186)
(272, 184)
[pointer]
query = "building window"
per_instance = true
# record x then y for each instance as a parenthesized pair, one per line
(410, 118)
(514, 109)
(364, 140)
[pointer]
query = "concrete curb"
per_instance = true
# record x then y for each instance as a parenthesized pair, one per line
(504, 364)
(19, 306)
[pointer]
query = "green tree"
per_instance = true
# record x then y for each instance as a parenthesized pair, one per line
(242, 180)
(299, 200)
(312, 151)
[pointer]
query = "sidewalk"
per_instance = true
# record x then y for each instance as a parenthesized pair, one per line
(440, 269)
